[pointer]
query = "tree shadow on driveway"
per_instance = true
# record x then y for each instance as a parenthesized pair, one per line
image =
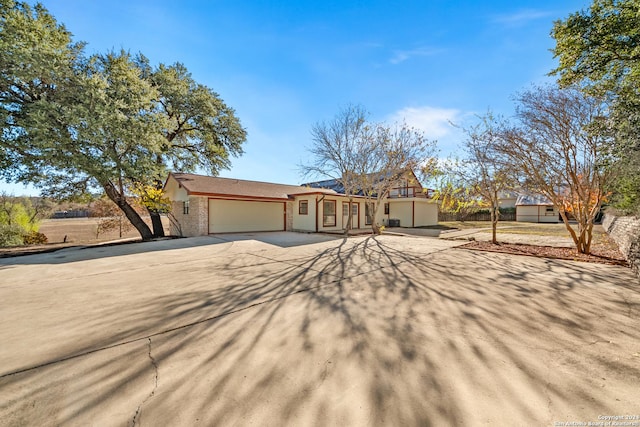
(217, 242)
(361, 331)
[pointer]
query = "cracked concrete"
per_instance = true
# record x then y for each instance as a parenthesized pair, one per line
(137, 415)
(360, 331)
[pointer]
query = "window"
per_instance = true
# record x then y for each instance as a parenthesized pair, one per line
(345, 209)
(386, 208)
(329, 213)
(303, 207)
(549, 210)
(354, 209)
(185, 208)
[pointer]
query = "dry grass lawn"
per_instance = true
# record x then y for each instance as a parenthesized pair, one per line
(78, 231)
(512, 227)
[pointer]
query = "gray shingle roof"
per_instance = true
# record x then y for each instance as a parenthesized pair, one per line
(532, 200)
(211, 185)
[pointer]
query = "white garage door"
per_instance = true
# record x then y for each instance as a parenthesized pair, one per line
(230, 216)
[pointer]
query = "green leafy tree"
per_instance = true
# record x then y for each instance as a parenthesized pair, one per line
(19, 219)
(199, 129)
(598, 47)
(72, 124)
(599, 50)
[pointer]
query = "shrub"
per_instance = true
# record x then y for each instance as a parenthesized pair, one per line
(35, 238)
(11, 235)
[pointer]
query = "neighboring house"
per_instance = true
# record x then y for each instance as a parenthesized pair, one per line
(203, 205)
(530, 208)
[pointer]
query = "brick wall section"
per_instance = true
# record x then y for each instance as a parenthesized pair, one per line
(289, 212)
(625, 230)
(196, 222)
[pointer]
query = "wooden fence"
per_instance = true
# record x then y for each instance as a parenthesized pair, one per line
(476, 216)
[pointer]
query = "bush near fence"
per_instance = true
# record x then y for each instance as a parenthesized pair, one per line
(507, 214)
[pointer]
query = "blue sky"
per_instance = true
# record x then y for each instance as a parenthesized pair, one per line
(285, 65)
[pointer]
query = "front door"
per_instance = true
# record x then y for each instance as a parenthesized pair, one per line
(355, 218)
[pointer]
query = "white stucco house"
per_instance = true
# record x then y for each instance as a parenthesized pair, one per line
(203, 205)
(531, 208)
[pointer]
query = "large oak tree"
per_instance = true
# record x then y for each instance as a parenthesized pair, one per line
(71, 123)
(599, 51)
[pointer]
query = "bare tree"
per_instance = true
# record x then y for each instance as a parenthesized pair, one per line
(484, 171)
(559, 151)
(110, 217)
(388, 152)
(336, 148)
(367, 158)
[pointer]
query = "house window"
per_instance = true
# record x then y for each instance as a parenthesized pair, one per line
(345, 209)
(354, 209)
(367, 215)
(386, 208)
(185, 208)
(303, 207)
(329, 213)
(549, 211)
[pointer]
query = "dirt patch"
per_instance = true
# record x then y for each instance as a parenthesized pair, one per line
(600, 253)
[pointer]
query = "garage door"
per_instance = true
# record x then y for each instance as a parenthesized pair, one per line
(230, 216)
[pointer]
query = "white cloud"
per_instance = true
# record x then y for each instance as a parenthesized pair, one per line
(402, 55)
(520, 18)
(434, 122)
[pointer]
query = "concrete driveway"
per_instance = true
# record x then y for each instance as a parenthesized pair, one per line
(268, 330)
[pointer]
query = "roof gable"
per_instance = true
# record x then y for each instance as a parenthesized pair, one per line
(337, 186)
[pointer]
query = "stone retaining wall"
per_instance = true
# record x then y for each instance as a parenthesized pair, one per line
(625, 230)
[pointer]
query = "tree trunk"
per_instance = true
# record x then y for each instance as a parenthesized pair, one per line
(373, 209)
(156, 219)
(131, 214)
(156, 222)
(495, 216)
(585, 236)
(375, 228)
(349, 224)
(494, 226)
(578, 240)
